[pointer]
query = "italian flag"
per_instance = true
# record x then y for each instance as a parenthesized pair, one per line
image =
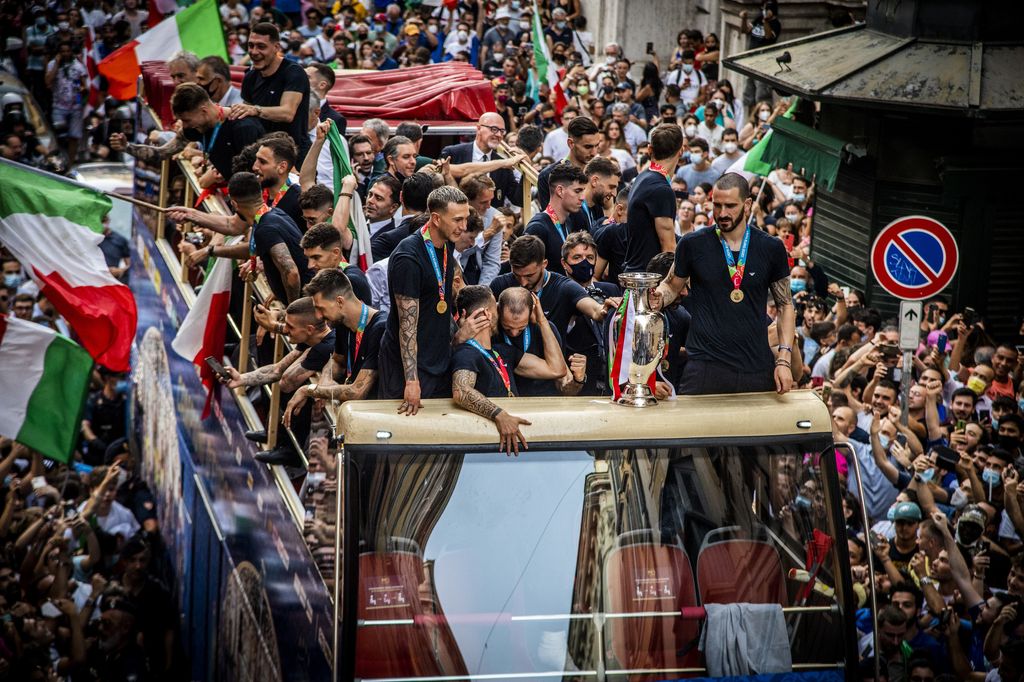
(752, 160)
(54, 227)
(44, 379)
(546, 70)
(196, 29)
(361, 254)
(202, 331)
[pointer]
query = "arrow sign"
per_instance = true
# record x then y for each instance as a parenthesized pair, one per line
(910, 329)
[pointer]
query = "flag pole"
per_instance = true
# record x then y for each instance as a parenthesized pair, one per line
(78, 183)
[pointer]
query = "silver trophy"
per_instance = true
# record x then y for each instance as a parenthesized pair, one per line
(647, 342)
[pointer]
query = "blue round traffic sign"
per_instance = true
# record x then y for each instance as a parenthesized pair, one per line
(914, 257)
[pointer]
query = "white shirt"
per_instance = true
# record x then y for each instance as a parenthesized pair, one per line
(689, 84)
(722, 162)
(625, 159)
(480, 156)
(377, 276)
(634, 134)
(377, 226)
(94, 17)
(232, 96)
(324, 163)
(323, 49)
(713, 136)
(119, 521)
(556, 144)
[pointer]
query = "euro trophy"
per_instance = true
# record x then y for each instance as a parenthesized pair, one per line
(647, 342)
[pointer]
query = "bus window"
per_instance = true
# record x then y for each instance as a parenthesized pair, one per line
(576, 560)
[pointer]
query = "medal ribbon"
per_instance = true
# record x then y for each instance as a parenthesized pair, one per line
(208, 145)
(526, 339)
(735, 268)
(364, 314)
(438, 271)
(660, 170)
(280, 193)
(496, 362)
(558, 226)
(260, 212)
(547, 276)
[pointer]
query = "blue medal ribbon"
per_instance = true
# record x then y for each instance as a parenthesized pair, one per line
(497, 363)
(736, 269)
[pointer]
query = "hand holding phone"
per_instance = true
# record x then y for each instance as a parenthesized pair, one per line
(218, 369)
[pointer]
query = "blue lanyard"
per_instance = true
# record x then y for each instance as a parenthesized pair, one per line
(547, 276)
(586, 209)
(526, 338)
(364, 313)
(735, 270)
(252, 233)
(208, 146)
(496, 362)
(550, 212)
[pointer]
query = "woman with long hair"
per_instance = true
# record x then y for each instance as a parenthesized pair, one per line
(649, 94)
(757, 124)
(615, 145)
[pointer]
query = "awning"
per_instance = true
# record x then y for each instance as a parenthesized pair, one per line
(812, 153)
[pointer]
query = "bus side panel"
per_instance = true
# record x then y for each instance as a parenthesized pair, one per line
(253, 603)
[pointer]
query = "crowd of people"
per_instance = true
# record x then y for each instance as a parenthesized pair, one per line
(471, 295)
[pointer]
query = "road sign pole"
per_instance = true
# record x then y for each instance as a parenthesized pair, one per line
(908, 365)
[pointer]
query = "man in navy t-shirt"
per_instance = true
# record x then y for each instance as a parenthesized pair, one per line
(566, 184)
(730, 270)
(650, 215)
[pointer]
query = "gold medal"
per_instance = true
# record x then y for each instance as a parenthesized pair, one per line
(736, 296)
(442, 307)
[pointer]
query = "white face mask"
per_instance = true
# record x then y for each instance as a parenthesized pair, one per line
(432, 28)
(462, 36)
(524, 25)
(764, 115)
(690, 130)
(609, 59)
(729, 147)
(499, 57)
(687, 68)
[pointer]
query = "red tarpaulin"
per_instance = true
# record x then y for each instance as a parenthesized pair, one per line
(452, 93)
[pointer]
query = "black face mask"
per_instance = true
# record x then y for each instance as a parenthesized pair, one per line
(294, 45)
(582, 271)
(1010, 443)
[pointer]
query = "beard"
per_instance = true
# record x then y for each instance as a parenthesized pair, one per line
(267, 182)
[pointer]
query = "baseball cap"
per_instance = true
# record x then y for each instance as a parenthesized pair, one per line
(907, 511)
(502, 13)
(972, 513)
(412, 29)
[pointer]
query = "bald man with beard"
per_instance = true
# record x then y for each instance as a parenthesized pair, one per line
(480, 156)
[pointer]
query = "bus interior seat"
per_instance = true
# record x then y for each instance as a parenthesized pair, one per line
(643, 575)
(739, 570)
(389, 585)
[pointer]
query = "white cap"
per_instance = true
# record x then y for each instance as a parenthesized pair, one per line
(502, 13)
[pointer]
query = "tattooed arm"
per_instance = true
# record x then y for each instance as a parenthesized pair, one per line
(468, 398)
(669, 290)
(267, 374)
(296, 375)
(150, 153)
(408, 326)
(285, 265)
(786, 320)
(339, 393)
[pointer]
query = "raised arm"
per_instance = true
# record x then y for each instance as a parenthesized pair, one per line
(307, 174)
(343, 210)
(553, 365)
(957, 565)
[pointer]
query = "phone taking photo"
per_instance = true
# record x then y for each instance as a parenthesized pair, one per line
(218, 368)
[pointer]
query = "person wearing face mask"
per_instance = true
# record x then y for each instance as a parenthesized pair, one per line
(688, 79)
(731, 152)
(585, 338)
(498, 36)
(699, 168)
(559, 31)
(710, 127)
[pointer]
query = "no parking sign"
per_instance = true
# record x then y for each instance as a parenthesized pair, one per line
(914, 257)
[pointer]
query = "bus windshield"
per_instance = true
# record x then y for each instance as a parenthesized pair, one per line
(569, 562)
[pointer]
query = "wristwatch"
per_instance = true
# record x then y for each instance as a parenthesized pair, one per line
(312, 390)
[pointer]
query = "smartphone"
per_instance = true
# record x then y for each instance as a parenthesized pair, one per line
(901, 439)
(970, 316)
(960, 425)
(218, 368)
(650, 48)
(984, 415)
(1020, 350)
(940, 343)
(826, 393)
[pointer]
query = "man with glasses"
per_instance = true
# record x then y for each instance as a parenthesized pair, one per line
(479, 156)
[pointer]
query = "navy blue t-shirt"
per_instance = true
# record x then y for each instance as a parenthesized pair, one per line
(347, 368)
(558, 297)
(318, 355)
(542, 227)
(611, 245)
(275, 227)
(650, 197)
(360, 285)
(532, 387)
(723, 332)
(488, 379)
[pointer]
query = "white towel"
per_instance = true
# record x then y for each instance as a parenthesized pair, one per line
(745, 639)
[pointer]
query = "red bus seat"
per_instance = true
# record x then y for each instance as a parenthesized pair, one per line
(640, 576)
(741, 571)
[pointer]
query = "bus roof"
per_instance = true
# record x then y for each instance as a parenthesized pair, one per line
(581, 419)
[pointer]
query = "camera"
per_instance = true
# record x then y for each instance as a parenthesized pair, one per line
(970, 317)
(596, 294)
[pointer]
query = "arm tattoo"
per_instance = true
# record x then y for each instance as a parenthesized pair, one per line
(408, 324)
(357, 390)
(267, 374)
(286, 266)
(467, 397)
(149, 152)
(781, 293)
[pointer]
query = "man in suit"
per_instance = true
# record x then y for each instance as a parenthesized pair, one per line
(321, 80)
(479, 156)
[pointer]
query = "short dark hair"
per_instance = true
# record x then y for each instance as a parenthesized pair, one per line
(321, 236)
(316, 197)
(439, 199)
(526, 250)
(734, 181)
(474, 185)
(821, 330)
(359, 138)
(666, 140)
(909, 588)
(303, 309)
(869, 317)
(325, 72)
(964, 392)
(574, 239)
(530, 138)
(688, 54)
(220, 67)
(888, 384)
(602, 166)
(282, 147)
(474, 223)
(265, 28)
(245, 186)
(700, 143)
(416, 188)
(846, 332)
(188, 97)
(661, 264)
(580, 126)
(413, 131)
(392, 183)
(730, 131)
(472, 298)
(329, 283)
(565, 173)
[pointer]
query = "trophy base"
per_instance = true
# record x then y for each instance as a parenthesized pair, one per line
(637, 395)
